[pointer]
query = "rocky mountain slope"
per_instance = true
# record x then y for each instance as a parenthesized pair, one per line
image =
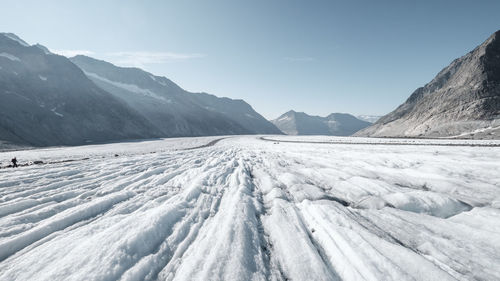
(463, 100)
(173, 110)
(47, 100)
(335, 124)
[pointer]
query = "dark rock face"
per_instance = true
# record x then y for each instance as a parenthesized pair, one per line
(463, 100)
(173, 110)
(47, 100)
(335, 124)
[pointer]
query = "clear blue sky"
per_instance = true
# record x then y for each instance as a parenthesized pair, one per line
(361, 57)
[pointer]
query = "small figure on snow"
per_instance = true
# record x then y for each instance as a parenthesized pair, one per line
(14, 162)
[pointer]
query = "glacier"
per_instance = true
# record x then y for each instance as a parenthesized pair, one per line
(253, 208)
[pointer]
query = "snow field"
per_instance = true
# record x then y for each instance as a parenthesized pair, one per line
(247, 209)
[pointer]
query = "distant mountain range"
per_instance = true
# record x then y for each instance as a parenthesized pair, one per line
(335, 124)
(463, 100)
(47, 99)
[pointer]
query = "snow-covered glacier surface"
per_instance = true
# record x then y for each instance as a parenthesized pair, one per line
(243, 208)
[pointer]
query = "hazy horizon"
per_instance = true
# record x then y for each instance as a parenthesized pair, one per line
(317, 57)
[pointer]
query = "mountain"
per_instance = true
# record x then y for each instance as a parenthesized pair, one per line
(369, 118)
(335, 124)
(174, 111)
(47, 100)
(463, 100)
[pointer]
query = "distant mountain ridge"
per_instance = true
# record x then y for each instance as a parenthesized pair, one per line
(170, 108)
(463, 100)
(48, 100)
(335, 124)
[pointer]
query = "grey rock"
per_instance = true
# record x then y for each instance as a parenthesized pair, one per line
(47, 100)
(170, 108)
(462, 101)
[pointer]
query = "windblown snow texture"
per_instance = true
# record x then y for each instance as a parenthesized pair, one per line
(462, 101)
(243, 208)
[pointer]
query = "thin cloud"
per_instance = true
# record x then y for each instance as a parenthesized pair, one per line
(300, 59)
(72, 53)
(143, 58)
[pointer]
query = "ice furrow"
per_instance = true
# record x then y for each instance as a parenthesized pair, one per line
(246, 209)
(232, 227)
(63, 220)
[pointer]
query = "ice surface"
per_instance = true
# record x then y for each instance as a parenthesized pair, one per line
(397, 141)
(102, 151)
(242, 208)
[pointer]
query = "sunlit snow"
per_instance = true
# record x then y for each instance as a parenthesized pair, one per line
(247, 208)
